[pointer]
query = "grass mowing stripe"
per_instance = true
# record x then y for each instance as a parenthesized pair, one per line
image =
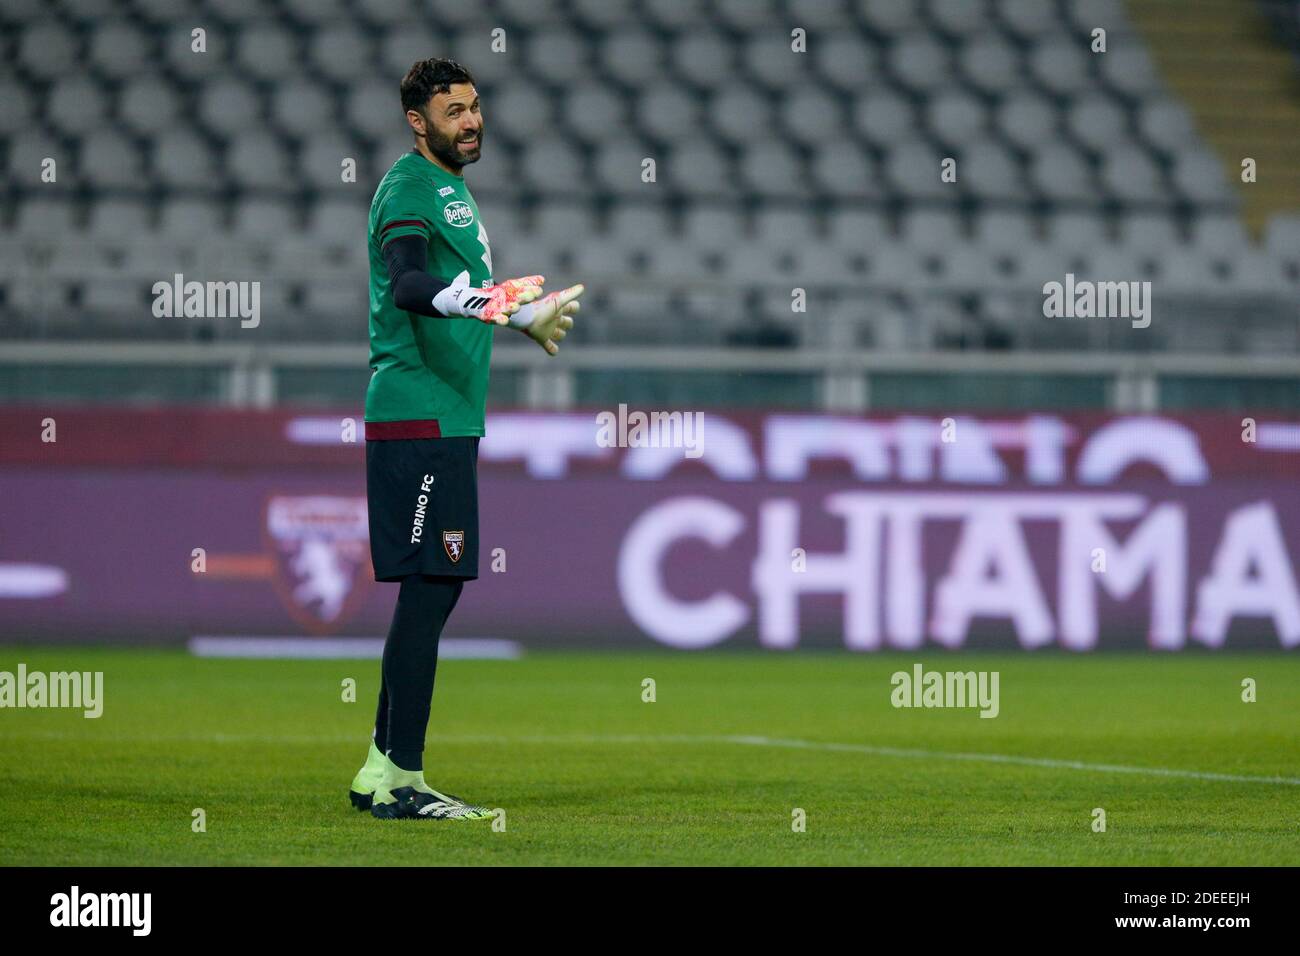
(1050, 763)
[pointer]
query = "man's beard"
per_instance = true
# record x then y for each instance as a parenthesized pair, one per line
(446, 148)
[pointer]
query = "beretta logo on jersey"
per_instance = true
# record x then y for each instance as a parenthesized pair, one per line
(453, 542)
(458, 213)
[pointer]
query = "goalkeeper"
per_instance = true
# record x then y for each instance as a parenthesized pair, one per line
(433, 307)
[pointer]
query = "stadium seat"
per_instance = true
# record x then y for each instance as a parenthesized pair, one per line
(675, 14)
(191, 218)
(266, 219)
(1129, 173)
(617, 166)
(258, 159)
(387, 12)
(1282, 236)
(882, 117)
(342, 51)
(814, 117)
(118, 49)
(181, 58)
(842, 170)
(108, 160)
(1028, 20)
(1004, 230)
(714, 227)
(554, 165)
(698, 169)
(848, 62)
(1166, 124)
(267, 51)
(401, 45)
(1147, 232)
(932, 229)
(663, 110)
(47, 49)
(228, 105)
(591, 112)
(958, 18)
(987, 170)
(817, 16)
(1199, 176)
(1222, 234)
(913, 168)
(770, 61)
(772, 171)
(858, 229)
(320, 160)
(637, 224)
(920, 63)
(632, 55)
(600, 15)
(301, 107)
(1028, 119)
(1062, 175)
(149, 105)
(889, 17)
(704, 57)
(1079, 231)
(77, 105)
(784, 227)
(185, 161)
(1128, 69)
(554, 55)
(1060, 65)
(1098, 123)
(45, 218)
(991, 64)
(955, 117)
(736, 110)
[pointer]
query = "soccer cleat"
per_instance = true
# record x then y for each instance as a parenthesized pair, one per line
(410, 804)
(368, 779)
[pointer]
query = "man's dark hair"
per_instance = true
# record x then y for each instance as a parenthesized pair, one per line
(428, 78)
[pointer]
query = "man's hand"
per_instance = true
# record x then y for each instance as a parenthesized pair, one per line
(549, 319)
(510, 296)
(493, 305)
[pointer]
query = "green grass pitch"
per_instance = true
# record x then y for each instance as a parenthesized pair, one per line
(709, 773)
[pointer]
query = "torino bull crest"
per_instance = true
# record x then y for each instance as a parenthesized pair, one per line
(322, 558)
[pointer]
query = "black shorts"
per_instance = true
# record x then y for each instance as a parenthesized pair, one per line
(423, 499)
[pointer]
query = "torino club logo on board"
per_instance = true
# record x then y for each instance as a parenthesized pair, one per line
(322, 556)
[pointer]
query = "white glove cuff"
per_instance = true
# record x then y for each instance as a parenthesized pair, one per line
(460, 300)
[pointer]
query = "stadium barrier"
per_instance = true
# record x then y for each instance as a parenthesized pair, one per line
(744, 529)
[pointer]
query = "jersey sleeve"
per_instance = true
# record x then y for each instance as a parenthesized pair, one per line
(407, 210)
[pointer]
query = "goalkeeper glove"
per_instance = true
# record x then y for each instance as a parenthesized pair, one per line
(549, 319)
(493, 305)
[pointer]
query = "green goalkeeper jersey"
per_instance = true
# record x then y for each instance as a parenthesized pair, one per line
(425, 368)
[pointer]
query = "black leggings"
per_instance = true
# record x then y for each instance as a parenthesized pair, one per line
(410, 662)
